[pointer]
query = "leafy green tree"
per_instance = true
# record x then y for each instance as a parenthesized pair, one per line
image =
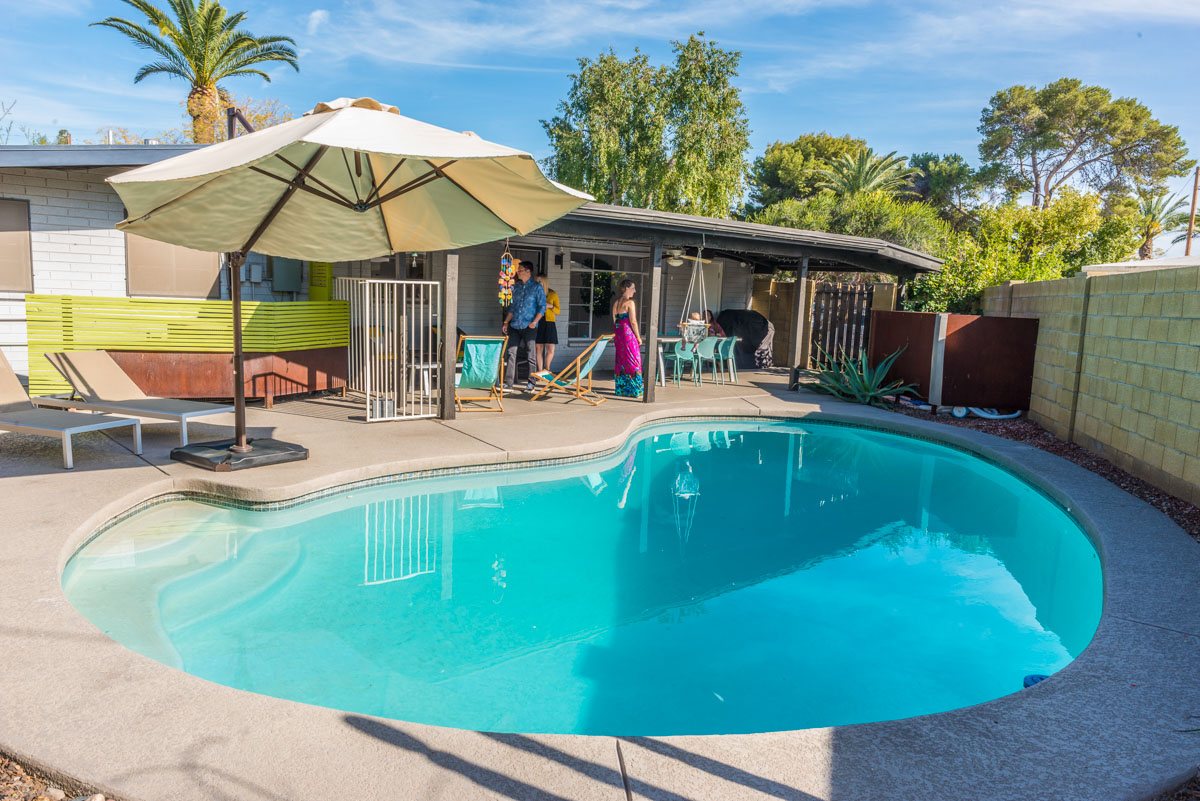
(1067, 133)
(708, 130)
(203, 44)
(869, 214)
(792, 170)
(1024, 243)
(864, 171)
(671, 138)
(952, 186)
(1159, 213)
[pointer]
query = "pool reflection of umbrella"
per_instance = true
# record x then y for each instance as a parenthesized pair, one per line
(350, 180)
(685, 495)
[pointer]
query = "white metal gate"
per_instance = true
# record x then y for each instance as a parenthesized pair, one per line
(394, 346)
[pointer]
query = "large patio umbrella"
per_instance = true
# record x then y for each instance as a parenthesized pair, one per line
(350, 180)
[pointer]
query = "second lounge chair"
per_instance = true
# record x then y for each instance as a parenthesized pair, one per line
(570, 379)
(104, 387)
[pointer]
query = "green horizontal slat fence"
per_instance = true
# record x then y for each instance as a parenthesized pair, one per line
(64, 322)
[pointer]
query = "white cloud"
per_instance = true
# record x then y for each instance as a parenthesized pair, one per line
(957, 35)
(473, 34)
(316, 19)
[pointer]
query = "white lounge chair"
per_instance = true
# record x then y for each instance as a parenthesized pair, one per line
(19, 415)
(104, 387)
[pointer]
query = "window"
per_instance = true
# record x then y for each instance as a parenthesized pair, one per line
(16, 249)
(594, 281)
(535, 258)
(158, 269)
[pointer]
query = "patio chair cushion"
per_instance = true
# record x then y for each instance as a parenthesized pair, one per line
(96, 376)
(13, 397)
(481, 362)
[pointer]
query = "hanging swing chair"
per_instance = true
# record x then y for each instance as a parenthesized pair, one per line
(693, 324)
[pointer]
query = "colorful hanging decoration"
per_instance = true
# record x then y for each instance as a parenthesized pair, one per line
(508, 276)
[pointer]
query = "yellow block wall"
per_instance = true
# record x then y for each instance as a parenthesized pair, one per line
(1137, 397)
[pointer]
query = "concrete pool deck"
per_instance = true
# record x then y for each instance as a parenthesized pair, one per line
(93, 715)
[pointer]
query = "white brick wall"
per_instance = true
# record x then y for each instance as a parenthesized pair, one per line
(76, 249)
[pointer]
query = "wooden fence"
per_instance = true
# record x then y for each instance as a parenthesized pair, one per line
(841, 320)
(63, 322)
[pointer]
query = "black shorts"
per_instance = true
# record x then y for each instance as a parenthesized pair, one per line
(547, 332)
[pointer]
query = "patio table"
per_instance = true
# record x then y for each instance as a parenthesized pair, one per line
(662, 382)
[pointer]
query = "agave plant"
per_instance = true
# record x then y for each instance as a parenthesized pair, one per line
(852, 379)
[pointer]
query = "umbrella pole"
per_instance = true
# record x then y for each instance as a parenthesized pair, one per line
(236, 259)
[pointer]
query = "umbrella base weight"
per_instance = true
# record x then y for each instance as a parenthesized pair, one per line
(218, 455)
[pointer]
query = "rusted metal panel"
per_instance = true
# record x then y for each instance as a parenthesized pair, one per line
(913, 331)
(986, 361)
(210, 375)
(989, 361)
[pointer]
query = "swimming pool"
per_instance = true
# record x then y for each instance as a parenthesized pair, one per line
(707, 578)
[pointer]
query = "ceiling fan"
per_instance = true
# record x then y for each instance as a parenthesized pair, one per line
(677, 256)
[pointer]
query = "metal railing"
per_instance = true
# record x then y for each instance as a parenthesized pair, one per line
(399, 541)
(394, 356)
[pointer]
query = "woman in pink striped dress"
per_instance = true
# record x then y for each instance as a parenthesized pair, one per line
(628, 342)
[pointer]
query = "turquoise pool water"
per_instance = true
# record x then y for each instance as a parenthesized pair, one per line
(713, 578)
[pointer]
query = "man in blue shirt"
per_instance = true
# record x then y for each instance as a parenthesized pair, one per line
(527, 309)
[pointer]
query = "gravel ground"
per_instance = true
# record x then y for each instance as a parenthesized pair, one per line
(17, 785)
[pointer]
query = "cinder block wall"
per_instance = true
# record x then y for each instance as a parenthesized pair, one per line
(1133, 395)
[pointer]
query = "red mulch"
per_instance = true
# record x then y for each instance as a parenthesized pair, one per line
(1183, 513)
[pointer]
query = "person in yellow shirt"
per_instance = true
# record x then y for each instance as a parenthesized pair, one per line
(547, 332)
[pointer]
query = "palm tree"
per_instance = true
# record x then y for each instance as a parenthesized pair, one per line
(1156, 214)
(202, 45)
(863, 171)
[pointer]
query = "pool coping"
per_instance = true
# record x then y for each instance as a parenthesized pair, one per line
(1104, 727)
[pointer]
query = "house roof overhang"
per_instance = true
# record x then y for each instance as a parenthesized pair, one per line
(60, 157)
(767, 247)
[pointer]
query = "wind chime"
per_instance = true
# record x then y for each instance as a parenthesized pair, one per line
(508, 277)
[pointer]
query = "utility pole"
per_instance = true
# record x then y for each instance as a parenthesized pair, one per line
(1187, 243)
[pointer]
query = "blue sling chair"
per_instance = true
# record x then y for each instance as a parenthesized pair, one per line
(571, 378)
(482, 369)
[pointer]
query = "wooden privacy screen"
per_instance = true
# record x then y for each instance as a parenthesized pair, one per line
(841, 318)
(959, 359)
(64, 322)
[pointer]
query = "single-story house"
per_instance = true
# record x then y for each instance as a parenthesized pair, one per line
(57, 236)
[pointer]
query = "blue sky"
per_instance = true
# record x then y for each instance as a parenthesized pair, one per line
(906, 76)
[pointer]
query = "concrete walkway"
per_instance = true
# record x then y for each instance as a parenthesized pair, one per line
(95, 715)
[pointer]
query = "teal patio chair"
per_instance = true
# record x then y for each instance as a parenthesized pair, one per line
(681, 355)
(570, 379)
(706, 351)
(725, 353)
(482, 368)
